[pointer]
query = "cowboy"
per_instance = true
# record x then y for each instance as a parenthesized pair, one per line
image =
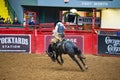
(58, 32)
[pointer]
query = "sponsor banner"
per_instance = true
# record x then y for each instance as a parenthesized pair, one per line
(14, 43)
(78, 40)
(109, 45)
(87, 20)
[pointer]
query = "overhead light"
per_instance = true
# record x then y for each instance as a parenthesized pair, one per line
(66, 1)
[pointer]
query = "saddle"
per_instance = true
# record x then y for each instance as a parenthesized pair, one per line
(58, 45)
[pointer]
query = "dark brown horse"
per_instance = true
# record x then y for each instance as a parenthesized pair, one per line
(66, 47)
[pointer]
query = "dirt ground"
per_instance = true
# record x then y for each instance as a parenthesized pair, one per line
(40, 67)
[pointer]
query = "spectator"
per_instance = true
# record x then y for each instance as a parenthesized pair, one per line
(32, 22)
(2, 20)
(24, 21)
(8, 21)
(16, 21)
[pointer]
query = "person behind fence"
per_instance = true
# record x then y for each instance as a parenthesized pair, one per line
(8, 21)
(1, 20)
(58, 32)
(15, 21)
(32, 21)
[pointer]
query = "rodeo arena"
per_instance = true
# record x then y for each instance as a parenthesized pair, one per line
(60, 40)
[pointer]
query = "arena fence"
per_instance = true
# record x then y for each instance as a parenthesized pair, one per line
(102, 41)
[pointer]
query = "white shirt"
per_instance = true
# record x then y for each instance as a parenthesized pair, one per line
(55, 31)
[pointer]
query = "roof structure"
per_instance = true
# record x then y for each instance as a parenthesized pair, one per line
(74, 3)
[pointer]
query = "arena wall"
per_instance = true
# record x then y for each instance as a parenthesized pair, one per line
(89, 42)
(102, 41)
(37, 41)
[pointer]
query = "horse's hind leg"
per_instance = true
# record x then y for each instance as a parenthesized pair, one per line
(82, 60)
(74, 59)
(84, 63)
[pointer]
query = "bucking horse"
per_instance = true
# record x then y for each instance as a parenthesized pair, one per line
(56, 50)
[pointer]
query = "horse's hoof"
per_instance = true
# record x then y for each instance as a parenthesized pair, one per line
(61, 64)
(82, 70)
(86, 67)
(53, 60)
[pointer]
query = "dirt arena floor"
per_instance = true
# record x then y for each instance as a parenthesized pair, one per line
(40, 67)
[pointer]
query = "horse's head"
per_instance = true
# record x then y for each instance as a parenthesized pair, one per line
(51, 55)
(51, 52)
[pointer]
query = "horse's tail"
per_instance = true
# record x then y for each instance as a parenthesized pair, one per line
(79, 53)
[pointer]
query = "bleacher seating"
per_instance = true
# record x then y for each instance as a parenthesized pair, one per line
(3, 9)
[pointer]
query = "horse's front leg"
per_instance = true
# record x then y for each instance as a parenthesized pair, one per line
(62, 61)
(58, 59)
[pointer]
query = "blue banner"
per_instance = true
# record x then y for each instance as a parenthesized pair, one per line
(15, 43)
(109, 45)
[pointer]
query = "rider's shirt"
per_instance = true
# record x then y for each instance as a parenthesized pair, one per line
(59, 28)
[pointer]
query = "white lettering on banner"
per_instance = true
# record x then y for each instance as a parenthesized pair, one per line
(113, 45)
(101, 3)
(86, 3)
(113, 49)
(74, 40)
(115, 42)
(14, 40)
(10, 46)
(94, 3)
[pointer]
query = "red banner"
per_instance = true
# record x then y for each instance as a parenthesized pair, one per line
(78, 40)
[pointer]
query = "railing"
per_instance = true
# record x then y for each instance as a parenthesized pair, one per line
(11, 26)
(44, 28)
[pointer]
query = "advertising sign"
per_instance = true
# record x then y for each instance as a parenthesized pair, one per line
(88, 20)
(78, 40)
(109, 45)
(14, 43)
